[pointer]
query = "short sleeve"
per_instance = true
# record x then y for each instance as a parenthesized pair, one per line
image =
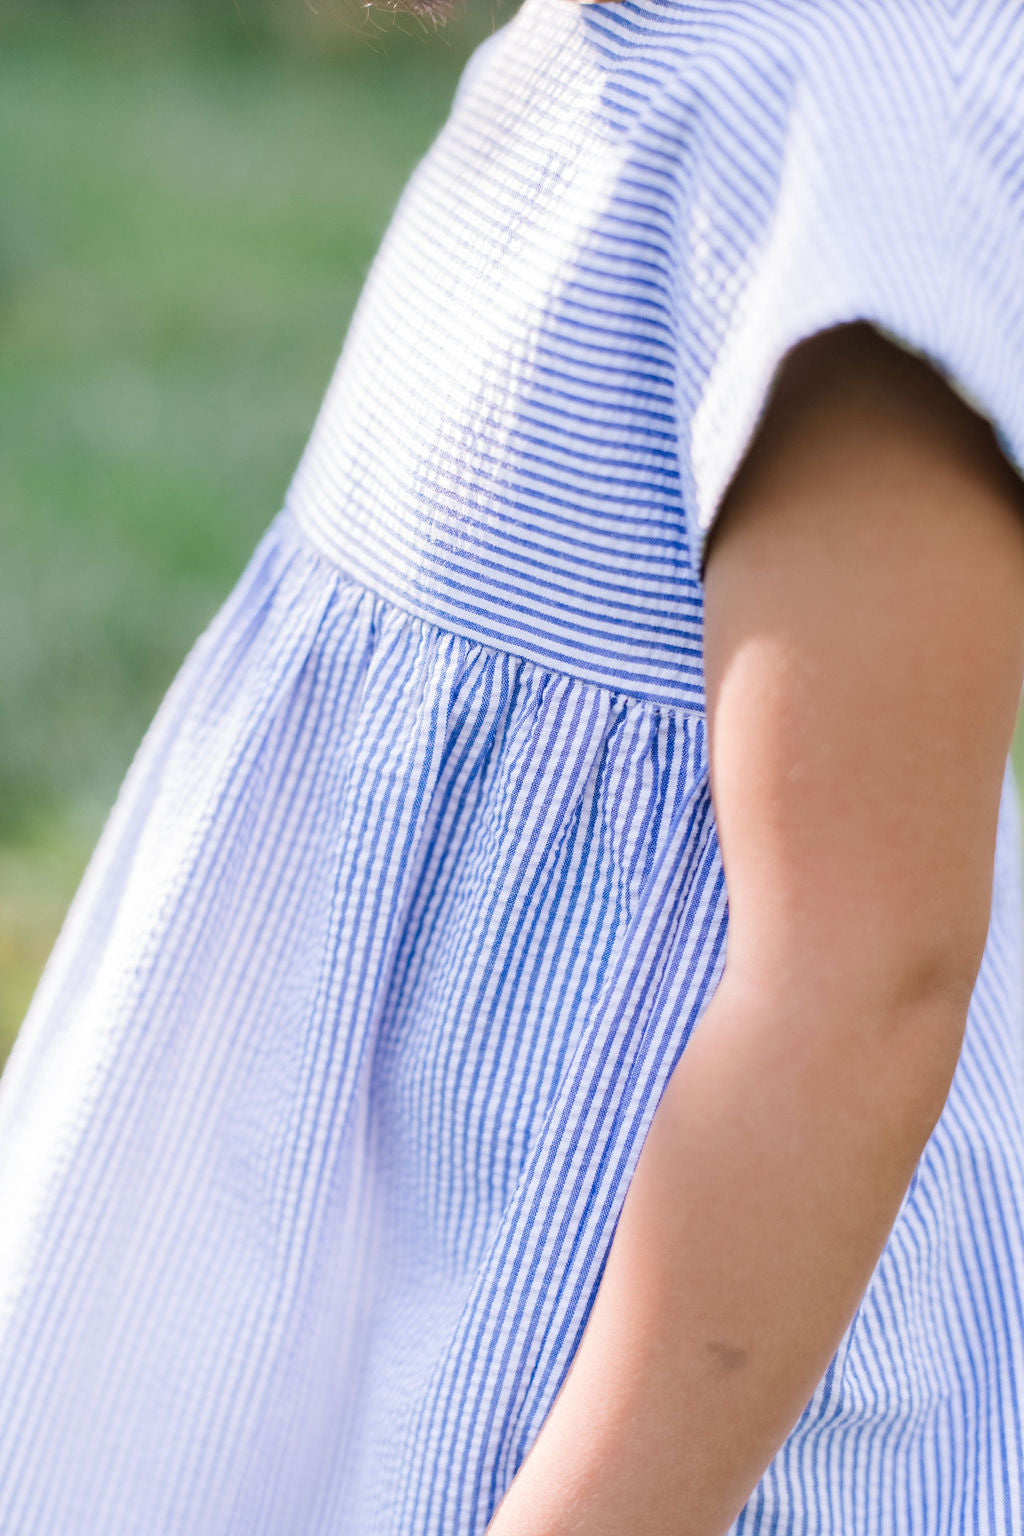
(886, 185)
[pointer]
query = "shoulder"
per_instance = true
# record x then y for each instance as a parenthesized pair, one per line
(870, 168)
(887, 61)
(840, 104)
(898, 118)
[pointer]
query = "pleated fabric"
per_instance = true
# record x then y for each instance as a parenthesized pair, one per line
(315, 1137)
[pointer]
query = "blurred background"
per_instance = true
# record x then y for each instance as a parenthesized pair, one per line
(190, 194)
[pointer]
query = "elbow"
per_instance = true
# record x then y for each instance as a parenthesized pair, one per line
(917, 1032)
(875, 963)
(888, 1005)
(927, 973)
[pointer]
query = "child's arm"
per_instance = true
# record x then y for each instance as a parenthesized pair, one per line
(864, 657)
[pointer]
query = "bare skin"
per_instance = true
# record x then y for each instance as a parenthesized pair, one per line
(864, 662)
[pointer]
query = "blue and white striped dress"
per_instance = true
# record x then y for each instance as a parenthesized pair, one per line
(314, 1141)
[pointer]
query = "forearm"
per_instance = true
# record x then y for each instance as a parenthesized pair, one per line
(772, 1174)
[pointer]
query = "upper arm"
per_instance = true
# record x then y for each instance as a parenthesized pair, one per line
(864, 655)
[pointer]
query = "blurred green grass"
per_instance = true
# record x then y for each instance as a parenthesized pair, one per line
(190, 194)
(189, 200)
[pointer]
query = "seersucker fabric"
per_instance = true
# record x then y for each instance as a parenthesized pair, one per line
(315, 1137)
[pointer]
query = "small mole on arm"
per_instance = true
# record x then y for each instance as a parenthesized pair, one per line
(731, 1357)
